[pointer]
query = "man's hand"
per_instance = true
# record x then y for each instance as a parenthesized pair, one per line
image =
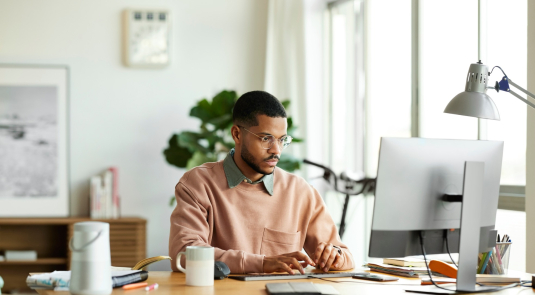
(287, 262)
(326, 256)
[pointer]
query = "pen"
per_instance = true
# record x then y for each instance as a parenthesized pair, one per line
(152, 287)
(134, 286)
(485, 263)
(481, 262)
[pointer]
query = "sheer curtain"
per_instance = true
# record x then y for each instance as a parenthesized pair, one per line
(285, 62)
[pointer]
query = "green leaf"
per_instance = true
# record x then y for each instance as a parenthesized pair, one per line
(290, 122)
(223, 103)
(190, 140)
(285, 103)
(198, 159)
(172, 201)
(203, 111)
(222, 121)
(176, 155)
(212, 139)
(289, 163)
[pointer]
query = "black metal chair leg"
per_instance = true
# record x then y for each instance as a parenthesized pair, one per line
(343, 221)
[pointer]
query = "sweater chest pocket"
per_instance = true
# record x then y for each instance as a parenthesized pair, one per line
(276, 242)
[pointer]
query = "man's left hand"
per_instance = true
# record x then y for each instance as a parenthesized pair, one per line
(326, 256)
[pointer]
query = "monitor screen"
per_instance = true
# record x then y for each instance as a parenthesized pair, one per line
(413, 176)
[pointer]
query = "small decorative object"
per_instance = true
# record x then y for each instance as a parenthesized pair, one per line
(146, 38)
(91, 260)
(33, 141)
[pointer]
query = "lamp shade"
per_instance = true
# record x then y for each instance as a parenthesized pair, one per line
(474, 101)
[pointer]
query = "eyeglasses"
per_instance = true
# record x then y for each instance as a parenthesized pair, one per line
(268, 140)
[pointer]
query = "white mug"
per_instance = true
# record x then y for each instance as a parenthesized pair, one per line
(199, 265)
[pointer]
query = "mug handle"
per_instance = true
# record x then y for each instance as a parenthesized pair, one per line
(178, 262)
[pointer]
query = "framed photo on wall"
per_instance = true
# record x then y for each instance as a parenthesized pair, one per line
(34, 104)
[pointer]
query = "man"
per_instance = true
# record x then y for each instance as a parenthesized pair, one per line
(257, 217)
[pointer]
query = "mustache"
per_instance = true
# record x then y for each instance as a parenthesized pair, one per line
(272, 157)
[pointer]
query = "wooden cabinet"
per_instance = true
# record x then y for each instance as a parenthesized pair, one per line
(50, 238)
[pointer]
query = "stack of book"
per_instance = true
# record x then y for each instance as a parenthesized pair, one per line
(403, 271)
(104, 195)
(405, 267)
(60, 280)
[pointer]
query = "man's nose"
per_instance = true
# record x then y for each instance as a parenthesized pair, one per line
(275, 148)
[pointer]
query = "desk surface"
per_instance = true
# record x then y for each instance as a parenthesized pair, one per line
(173, 283)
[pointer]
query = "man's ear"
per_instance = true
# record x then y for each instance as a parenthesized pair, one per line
(236, 134)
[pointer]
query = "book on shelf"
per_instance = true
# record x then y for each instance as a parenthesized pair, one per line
(20, 255)
(104, 195)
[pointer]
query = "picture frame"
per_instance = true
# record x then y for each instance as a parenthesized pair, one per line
(34, 143)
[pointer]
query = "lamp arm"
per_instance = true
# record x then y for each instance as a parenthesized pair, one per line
(520, 97)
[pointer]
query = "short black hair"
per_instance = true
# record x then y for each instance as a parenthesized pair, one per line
(254, 103)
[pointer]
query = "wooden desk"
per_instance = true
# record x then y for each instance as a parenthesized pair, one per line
(173, 283)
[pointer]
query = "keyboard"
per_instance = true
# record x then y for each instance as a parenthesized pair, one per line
(270, 277)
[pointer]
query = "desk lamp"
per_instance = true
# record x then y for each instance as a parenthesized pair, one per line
(474, 101)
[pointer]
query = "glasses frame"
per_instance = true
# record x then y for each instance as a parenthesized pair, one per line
(281, 145)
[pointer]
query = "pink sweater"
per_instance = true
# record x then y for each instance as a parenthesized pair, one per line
(245, 223)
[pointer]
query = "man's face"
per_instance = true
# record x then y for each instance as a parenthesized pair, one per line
(263, 160)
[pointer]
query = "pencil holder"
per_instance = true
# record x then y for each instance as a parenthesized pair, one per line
(495, 261)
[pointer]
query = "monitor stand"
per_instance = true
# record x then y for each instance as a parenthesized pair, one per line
(470, 225)
(469, 237)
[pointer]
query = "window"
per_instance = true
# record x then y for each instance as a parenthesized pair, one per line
(447, 48)
(359, 116)
(388, 97)
(510, 53)
(346, 113)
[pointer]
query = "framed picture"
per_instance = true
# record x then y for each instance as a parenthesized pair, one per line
(34, 178)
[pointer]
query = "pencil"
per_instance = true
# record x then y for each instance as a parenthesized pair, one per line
(486, 261)
(481, 262)
(134, 286)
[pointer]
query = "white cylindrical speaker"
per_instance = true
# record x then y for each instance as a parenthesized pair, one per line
(90, 260)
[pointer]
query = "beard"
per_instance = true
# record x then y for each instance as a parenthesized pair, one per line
(249, 159)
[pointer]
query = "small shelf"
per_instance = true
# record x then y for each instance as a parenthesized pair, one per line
(35, 262)
(50, 237)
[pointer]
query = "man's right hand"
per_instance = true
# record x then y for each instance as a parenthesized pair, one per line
(287, 262)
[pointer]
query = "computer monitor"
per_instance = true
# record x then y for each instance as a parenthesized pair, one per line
(413, 176)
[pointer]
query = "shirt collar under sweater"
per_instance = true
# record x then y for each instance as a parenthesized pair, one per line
(235, 176)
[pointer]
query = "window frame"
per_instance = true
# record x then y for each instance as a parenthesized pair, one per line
(511, 197)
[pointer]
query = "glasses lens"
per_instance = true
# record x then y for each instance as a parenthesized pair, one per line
(267, 141)
(286, 141)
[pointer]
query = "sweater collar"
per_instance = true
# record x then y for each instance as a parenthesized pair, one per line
(235, 176)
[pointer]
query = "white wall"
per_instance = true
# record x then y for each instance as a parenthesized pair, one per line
(121, 116)
(530, 148)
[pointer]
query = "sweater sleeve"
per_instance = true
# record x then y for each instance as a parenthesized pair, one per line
(190, 227)
(322, 229)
